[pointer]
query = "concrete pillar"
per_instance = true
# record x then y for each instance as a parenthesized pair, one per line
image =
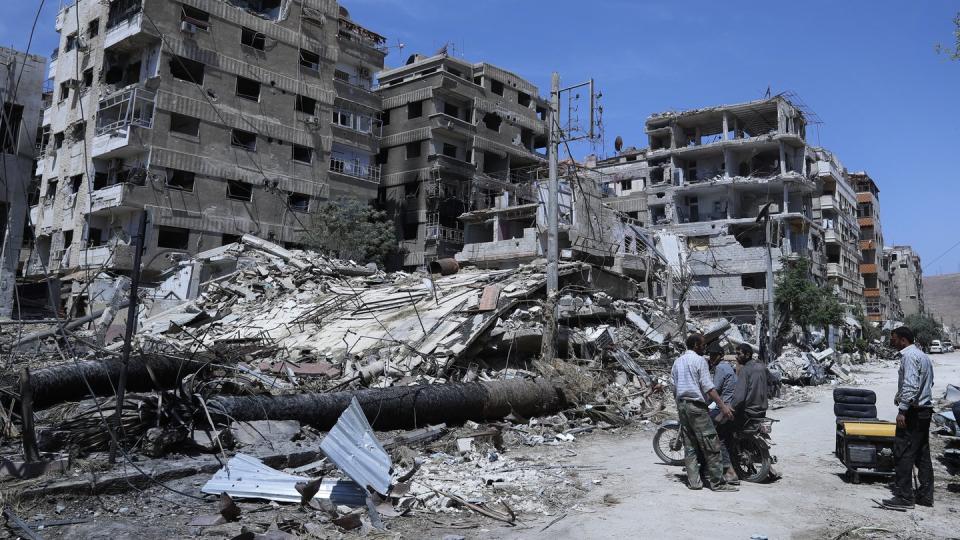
(783, 159)
(726, 128)
(728, 163)
(10, 251)
(786, 198)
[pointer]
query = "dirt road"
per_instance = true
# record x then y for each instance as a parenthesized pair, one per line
(641, 498)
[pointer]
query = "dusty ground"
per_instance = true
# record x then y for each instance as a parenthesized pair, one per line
(641, 498)
(603, 485)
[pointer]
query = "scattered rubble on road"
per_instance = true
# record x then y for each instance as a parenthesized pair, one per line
(246, 354)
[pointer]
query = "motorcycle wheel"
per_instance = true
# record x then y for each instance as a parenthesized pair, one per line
(668, 444)
(752, 461)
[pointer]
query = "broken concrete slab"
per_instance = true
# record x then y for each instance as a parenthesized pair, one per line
(256, 432)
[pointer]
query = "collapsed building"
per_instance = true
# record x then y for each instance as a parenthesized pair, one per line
(21, 80)
(457, 136)
(214, 119)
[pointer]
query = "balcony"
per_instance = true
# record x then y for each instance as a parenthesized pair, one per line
(118, 257)
(119, 119)
(865, 221)
(116, 198)
(353, 33)
(868, 244)
(830, 236)
(867, 268)
(41, 216)
(826, 168)
(834, 270)
(871, 293)
(828, 202)
(129, 29)
(440, 233)
(355, 169)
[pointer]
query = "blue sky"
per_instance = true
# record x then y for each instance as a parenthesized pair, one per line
(890, 105)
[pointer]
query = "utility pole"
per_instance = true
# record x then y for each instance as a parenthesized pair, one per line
(553, 195)
(764, 216)
(128, 332)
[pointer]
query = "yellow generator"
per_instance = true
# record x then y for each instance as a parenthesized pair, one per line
(864, 443)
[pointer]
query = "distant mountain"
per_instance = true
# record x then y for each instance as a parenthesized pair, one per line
(941, 294)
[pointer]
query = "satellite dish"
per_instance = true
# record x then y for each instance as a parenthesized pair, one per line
(618, 143)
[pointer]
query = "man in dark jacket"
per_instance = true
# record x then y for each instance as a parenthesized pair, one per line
(750, 395)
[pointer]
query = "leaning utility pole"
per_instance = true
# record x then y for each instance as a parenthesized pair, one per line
(764, 215)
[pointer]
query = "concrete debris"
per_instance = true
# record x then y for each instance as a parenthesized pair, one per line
(797, 367)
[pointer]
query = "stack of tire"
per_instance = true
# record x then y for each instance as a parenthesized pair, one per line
(854, 403)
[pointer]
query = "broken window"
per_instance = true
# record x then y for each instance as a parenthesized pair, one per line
(626, 185)
(757, 280)
(94, 237)
(381, 157)
(306, 105)
(71, 42)
(496, 87)
(450, 109)
(492, 121)
(243, 139)
(309, 60)
(298, 202)
(75, 182)
(542, 114)
(230, 239)
(182, 180)
(252, 38)
(414, 149)
(87, 78)
(411, 189)
(186, 69)
(186, 125)
(197, 17)
(10, 127)
(173, 238)
(239, 191)
(248, 88)
(523, 99)
(78, 131)
(269, 9)
(100, 180)
(415, 109)
(93, 28)
(58, 140)
(64, 90)
(384, 117)
(51, 188)
(410, 231)
(449, 150)
(343, 118)
(302, 154)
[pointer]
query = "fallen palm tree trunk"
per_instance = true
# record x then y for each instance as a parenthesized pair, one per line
(68, 382)
(402, 407)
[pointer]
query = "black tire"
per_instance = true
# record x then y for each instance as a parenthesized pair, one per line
(752, 460)
(668, 444)
(855, 396)
(853, 410)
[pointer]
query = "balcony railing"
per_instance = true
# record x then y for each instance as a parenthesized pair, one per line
(132, 106)
(444, 234)
(355, 169)
(363, 83)
(349, 31)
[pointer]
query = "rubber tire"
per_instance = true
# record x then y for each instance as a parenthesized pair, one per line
(853, 410)
(762, 472)
(857, 396)
(670, 431)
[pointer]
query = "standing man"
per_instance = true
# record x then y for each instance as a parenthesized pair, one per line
(915, 402)
(725, 381)
(691, 386)
(750, 397)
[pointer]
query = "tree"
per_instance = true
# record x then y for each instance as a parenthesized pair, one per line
(350, 229)
(802, 301)
(953, 51)
(925, 328)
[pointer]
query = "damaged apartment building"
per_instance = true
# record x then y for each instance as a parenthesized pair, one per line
(879, 296)
(457, 137)
(214, 118)
(706, 175)
(906, 275)
(21, 79)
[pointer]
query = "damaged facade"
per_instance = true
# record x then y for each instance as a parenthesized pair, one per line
(878, 294)
(706, 175)
(906, 275)
(214, 118)
(457, 137)
(21, 78)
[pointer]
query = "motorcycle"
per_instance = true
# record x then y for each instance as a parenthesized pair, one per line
(751, 458)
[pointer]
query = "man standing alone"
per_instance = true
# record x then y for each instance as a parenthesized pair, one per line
(914, 400)
(691, 386)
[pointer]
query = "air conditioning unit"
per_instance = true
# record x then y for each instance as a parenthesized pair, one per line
(188, 27)
(313, 120)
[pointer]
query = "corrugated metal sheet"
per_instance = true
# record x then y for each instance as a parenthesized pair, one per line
(353, 447)
(247, 477)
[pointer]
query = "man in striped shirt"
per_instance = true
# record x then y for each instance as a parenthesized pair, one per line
(691, 387)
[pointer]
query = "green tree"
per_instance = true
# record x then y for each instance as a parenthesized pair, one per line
(350, 229)
(802, 301)
(925, 328)
(953, 50)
